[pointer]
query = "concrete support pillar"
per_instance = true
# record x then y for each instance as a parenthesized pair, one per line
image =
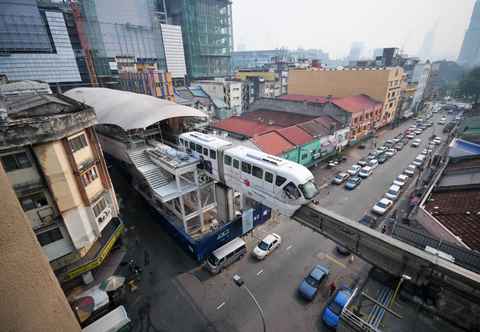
(31, 298)
(225, 205)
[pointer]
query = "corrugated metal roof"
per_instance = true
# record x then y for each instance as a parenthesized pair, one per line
(245, 127)
(295, 135)
(272, 143)
(357, 103)
(276, 118)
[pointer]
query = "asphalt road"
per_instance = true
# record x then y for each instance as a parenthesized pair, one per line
(185, 297)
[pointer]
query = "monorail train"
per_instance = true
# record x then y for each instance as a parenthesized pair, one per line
(275, 182)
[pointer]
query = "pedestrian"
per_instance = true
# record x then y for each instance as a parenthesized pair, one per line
(146, 258)
(332, 288)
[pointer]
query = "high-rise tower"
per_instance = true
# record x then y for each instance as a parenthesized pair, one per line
(470, 52)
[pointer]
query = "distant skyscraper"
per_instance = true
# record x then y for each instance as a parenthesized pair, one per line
(356, 51)
(469, 54)
(425, 52)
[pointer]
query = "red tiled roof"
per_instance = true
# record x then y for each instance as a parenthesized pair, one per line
(357, 103)
(315, 128)
(295, 135)
(459, 211)
(311, 99)
(245, 127)
(272, 143)
(276, 118)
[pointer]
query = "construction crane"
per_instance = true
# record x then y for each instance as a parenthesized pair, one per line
(79, 23)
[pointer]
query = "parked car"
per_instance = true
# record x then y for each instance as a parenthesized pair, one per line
(333, 309)
(340, 178)
(419, 160)
(437, 141)
(373, 163)
(399, 146)
(267, 246)
(309, 286)
(410, 136)
(410, 170)
(393, 192)
(416, 142)
(354, 169)
(362, 162)
(418, 131)
(353, 182)
(382, 206)
(382, 158)
(365, 172)
(368, 220)
(390, 152)
(371, 156)
(401, 180)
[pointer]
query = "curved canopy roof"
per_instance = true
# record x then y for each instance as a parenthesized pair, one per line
(130, 110)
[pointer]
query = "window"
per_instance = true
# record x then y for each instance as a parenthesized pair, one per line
(78, 143)
(186, 144)
(268, 177)
(16, 161)
(205, 152)
(34, 201)
(304, 156)
(246, 167)
(99, 207)
(192, 146)
(198, 148)
(236, 163)
(292, 191)
(213, 154)
(390, 106)
(49, 236)
(182, 143)
(257, 172)
(280, 180)
(227, 160)
(89, 176)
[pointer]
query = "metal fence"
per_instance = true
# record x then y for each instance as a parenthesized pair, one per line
(468, 259)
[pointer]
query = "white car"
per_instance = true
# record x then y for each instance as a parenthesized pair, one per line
(437, 141)
(267, 245)
(393, 192)
(410, 170)
(354, 169)
(410, 136)
(390, 152)
(382, 206)
(401, 180)
(365, 172)
(373, 163)
(416, 142)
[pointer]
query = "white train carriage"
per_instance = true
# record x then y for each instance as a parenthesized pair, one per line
(275, 182)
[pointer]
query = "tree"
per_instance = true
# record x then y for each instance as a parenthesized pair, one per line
(469, 86)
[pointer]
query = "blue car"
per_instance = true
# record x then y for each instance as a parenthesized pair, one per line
(309, 286)
(334, 308)
(353, 183)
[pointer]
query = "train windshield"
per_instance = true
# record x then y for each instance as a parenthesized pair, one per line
(309, 189)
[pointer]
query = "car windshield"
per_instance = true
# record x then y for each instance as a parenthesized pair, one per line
(311, 281)
(263, 245)
(309, 189)
(335, 308)
(382, 205)
(213, 259)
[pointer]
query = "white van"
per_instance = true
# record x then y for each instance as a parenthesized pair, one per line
(115, 321)
(365, 172)
(393, 192)
(226, 255)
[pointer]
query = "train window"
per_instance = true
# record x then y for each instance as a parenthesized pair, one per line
(192, 146)
(292, 191)
(213, 154)
(205, 152)
(181, 142)
(268, 177)
(198, 148)
(228, 160)
(257, 172)
(280, 180)
(186, 144)
(236, 163)
(246, 167)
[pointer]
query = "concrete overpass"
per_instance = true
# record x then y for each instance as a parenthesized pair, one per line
(391, 255)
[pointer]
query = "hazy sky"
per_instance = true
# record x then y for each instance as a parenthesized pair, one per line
(333, 25)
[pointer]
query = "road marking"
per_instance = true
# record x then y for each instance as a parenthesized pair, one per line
(335, 261)
(220, 305)
(289, 247)
(259, 272)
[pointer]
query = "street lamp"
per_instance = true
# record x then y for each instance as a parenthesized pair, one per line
(404, 277)
(240, 283)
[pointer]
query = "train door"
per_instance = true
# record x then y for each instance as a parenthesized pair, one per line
(257, 178)
(246, 174)
(227, 166)
(268, 182)
(236, 172)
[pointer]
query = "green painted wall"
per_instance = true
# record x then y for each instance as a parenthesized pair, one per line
(303, 154)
